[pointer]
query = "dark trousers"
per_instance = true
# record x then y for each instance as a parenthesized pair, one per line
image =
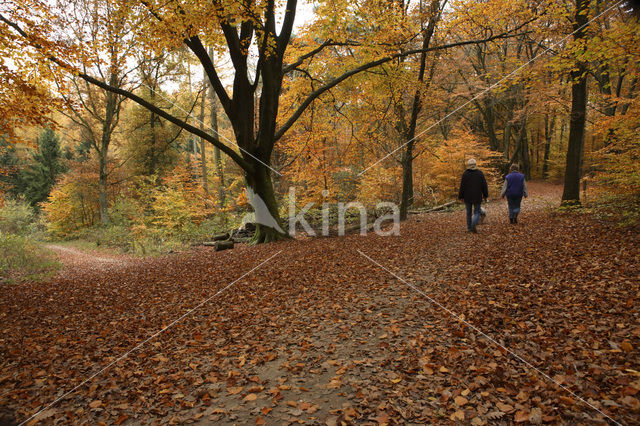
(472, 221)
(514, 206)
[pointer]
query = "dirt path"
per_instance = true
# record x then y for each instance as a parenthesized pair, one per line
(320, 334)
(78, 260)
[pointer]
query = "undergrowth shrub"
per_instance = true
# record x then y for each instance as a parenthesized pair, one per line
(149, 215)
(17, 217)
(21, 259)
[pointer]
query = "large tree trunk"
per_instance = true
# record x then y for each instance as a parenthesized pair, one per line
(263, 200)
(573, 169)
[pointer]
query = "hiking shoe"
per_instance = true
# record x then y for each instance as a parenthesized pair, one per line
(474, 230)
(515, 220)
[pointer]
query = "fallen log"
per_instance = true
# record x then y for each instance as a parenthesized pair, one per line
(221, 237)
(433, 209)
(223, 245)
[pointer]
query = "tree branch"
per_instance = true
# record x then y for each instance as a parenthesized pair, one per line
(301, 59)
(287, 26)
(315, 94)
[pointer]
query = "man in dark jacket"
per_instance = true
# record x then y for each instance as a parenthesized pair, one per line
(473, 189)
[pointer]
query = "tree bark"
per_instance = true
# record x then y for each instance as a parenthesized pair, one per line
(525, 160)
(203, 151)
(266, 206)
(407, 156)
(102, 188)
(108, 126)
(213, 112)
(573, 167)
(406, 200)
(548, 134)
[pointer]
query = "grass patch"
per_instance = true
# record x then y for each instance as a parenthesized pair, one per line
(22, 260)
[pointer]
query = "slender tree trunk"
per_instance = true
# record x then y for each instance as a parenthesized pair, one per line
(203, 151)
(506, 139)
(548, 134)
(102, 187)
(151, 160)
(107, 129)
(407, 180)
(490, 124)
(523, 150)
(213, 100)
(407, 156)
(573, 169)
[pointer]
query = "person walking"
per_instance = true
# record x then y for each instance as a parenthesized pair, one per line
(473, 190)
(514, 188)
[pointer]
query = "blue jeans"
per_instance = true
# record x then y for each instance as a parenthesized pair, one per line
(514, 206)
(471, 222)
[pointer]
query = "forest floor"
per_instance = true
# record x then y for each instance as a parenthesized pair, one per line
(535, 322)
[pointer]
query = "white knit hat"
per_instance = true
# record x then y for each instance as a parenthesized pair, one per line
(471, 164)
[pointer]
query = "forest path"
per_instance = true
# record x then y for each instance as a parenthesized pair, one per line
(79, 260)
(313, 332)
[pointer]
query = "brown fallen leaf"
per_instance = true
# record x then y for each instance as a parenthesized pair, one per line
(458, 415)
(251, 397)
(235, 390)
(504, 407)
(460, 400)
(305, 405)
(95, 404)
(626, 346)
(521, 416)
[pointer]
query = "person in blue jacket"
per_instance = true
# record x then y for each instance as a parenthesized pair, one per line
(514, 188)
(473, 189)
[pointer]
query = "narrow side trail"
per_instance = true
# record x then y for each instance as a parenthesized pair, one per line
(76, 259)
(320, 334)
